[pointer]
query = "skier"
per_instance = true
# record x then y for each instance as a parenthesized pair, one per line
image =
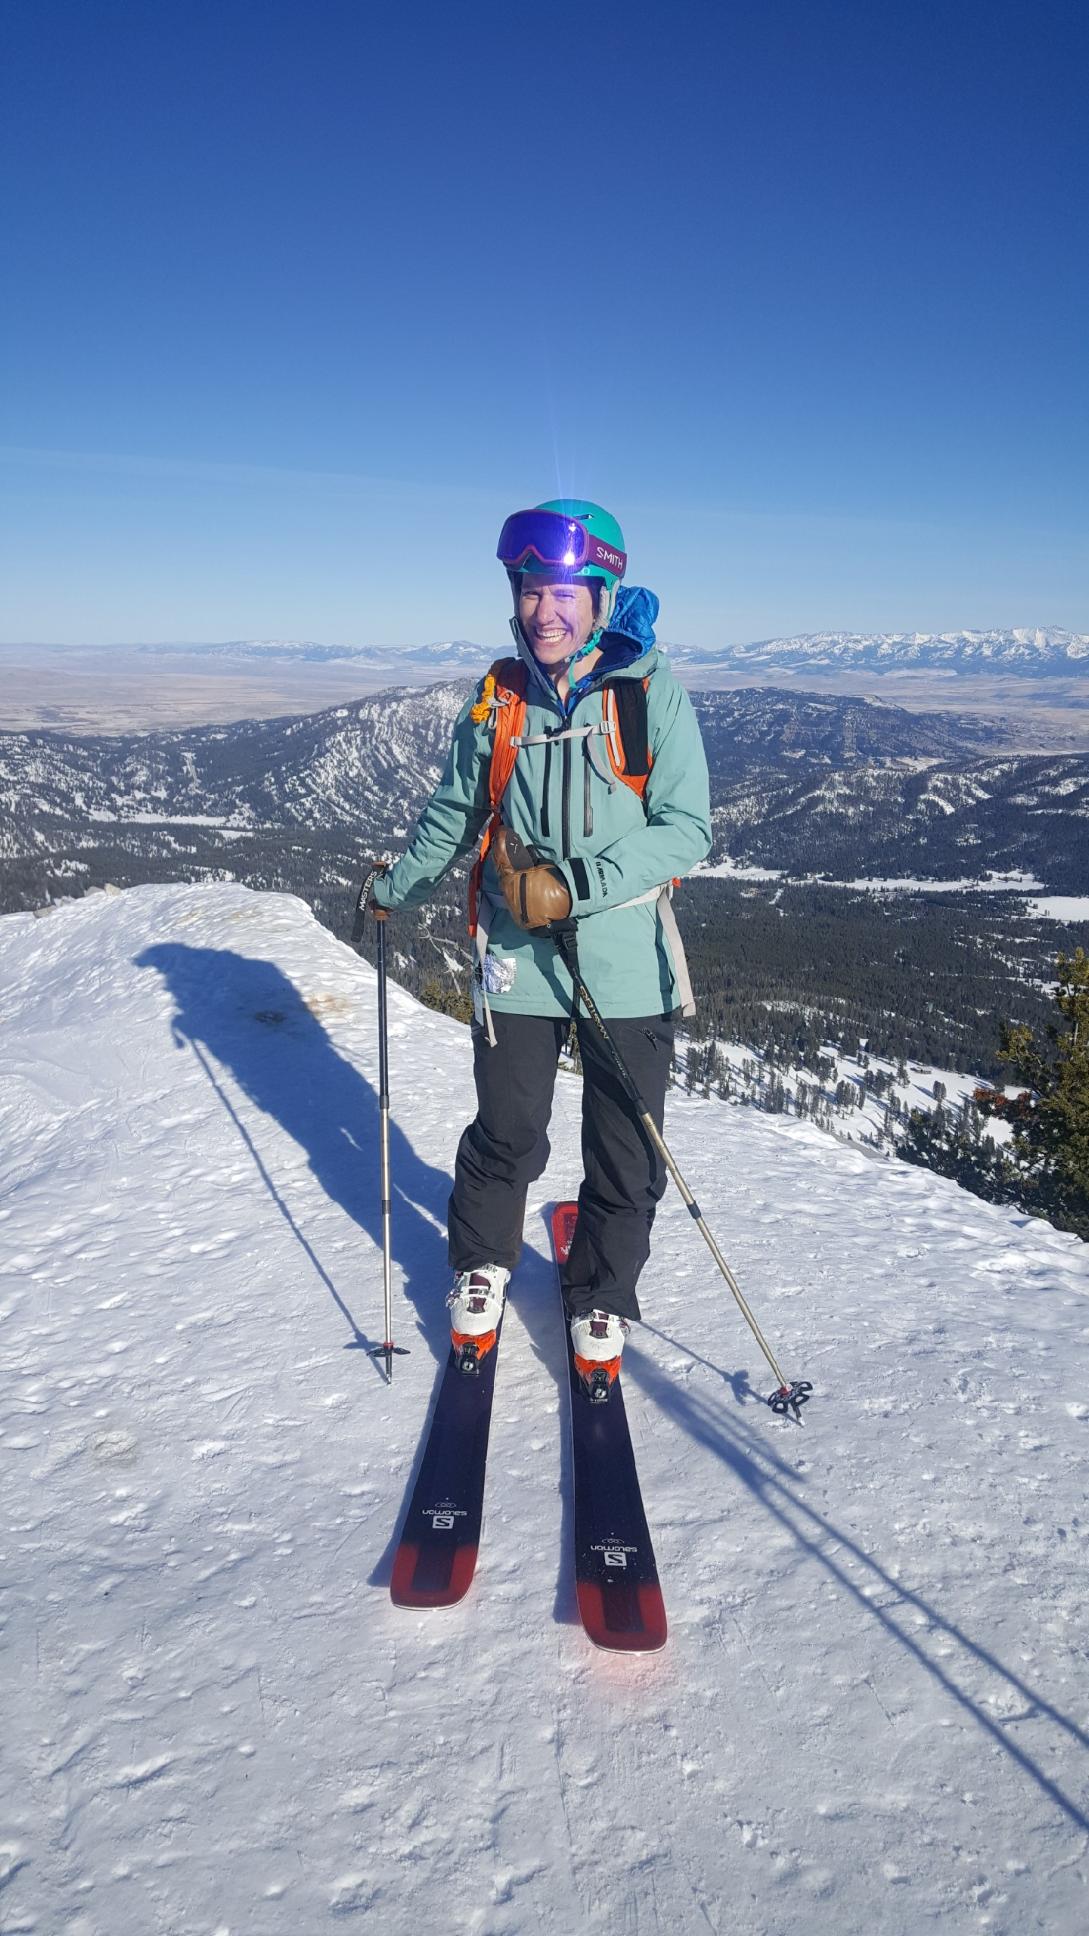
(578, 771)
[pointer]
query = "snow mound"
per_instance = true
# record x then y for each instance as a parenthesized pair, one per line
(872, 1711)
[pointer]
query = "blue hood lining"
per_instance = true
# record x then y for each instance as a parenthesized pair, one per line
(629, 637)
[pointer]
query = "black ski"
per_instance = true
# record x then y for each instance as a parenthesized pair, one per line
(436, 1556)
(616, 1578)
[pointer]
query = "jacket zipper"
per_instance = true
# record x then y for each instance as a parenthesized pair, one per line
(547, 784)
(565, 848)
(587, 808)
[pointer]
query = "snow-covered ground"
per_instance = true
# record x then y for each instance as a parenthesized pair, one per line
(1043, 907)
(845, 1103)
(1060, 907)
(873, 1712)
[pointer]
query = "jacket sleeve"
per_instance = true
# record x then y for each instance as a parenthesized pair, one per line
(450, 824)
(677, 831)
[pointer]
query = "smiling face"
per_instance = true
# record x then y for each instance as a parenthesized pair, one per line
(557, 616)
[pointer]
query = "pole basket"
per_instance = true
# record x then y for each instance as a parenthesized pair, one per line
(787, 1402)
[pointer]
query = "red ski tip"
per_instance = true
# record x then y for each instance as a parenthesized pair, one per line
(424, 1577)
(624, 1619)
(564, 1218)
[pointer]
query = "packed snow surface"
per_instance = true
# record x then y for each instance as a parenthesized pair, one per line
(872, 1713)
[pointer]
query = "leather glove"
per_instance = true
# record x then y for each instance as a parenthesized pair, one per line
(536, 895)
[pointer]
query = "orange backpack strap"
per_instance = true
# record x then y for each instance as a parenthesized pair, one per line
(503, 700)
(510, 678)
(624, 712)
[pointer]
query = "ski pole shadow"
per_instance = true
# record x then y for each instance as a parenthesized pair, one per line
(766, 1476)
(738, 1381)
(251, 1032)
(538, 1301)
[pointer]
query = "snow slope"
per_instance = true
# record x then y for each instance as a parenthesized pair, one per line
(873, 1711)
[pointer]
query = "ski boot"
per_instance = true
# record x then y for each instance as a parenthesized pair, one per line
(597, 1339)
(476, 1305)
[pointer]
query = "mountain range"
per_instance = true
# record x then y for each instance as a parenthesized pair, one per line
(799, 782)
(1022, 650)
(1027, 649)
(443, 655)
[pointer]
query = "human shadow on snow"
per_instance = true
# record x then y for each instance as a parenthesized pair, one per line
(251, 1032)
(264, 1054)
(755, 1463)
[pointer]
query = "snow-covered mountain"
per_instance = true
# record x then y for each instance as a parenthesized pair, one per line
(444, 655)
(265, 650)
(1028, 649)
(871, 1714)
(798, 781)
(359, 766)
(955, 819)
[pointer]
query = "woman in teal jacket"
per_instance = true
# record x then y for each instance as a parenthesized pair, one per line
(605, 846)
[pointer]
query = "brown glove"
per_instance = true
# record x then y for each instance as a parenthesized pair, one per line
(535, 895)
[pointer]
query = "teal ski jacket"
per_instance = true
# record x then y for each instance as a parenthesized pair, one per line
(566, 804)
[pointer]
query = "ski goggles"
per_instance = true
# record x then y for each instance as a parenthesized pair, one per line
(555, 541)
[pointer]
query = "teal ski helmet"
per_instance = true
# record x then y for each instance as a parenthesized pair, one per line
(569, 535)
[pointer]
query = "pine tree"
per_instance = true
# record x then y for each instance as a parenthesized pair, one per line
(448, 1000)
(1045, 1166)
(1051, 1118)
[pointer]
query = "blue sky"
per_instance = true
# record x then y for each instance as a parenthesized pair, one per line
(302, 299)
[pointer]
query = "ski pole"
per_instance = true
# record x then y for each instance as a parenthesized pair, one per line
(388, 1349)
(788, 1398)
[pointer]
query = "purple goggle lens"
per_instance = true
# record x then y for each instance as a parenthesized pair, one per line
(555, 540)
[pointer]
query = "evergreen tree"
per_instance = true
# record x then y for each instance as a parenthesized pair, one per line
(1045, 1167)
(448, 998)
(1051, 1118)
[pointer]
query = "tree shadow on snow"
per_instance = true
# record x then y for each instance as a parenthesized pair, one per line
(774, 1483)
(251, 1032)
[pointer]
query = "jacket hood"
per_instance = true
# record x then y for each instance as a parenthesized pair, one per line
(631, 629)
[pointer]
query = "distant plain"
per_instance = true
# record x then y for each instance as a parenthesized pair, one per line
(76, 690)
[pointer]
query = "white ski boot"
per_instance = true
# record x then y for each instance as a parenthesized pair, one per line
(476, 1305)
(597, 1338)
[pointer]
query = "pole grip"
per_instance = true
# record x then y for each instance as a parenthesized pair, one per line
(362, 901)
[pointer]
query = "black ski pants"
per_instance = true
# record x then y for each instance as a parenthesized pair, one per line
(505, 1149)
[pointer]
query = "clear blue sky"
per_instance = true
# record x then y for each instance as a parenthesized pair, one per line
(301, 299)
